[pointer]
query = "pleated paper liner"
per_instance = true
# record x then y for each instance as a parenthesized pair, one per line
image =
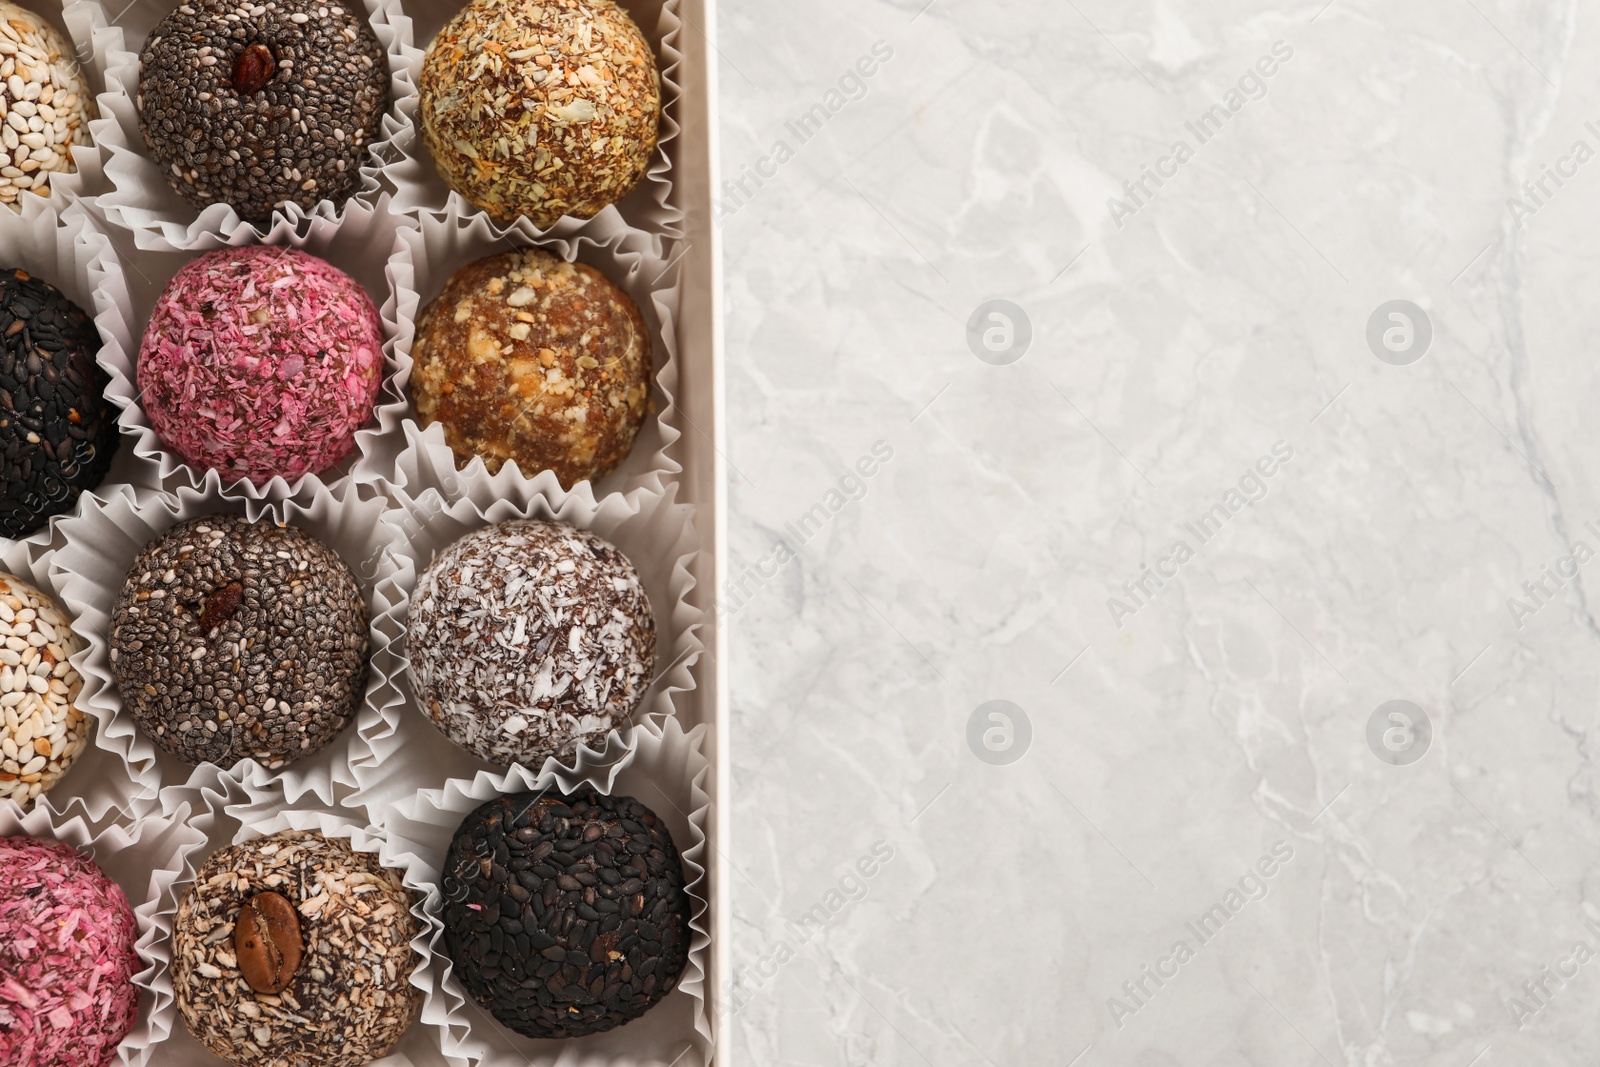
(148, 854)
(667, 771)
(243, 810)
(99, 782)
(70, 251)
(90, 569)
(140, 198)
(437, 505)
(650, 207)
(366, 243)
(444, 243)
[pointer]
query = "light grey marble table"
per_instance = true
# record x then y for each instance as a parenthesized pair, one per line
(1227, 503)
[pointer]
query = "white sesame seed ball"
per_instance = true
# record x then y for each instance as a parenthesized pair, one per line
(42, 730)
(45, 103)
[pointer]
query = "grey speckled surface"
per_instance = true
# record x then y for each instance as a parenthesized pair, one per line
(1177, 340)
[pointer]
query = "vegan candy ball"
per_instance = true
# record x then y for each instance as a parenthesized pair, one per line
(67, 957)
(46, 104)
(260, 106)
(593, 889)
(58, 433)
(42, 728)
(295, 949)
(541, 108)
(238, 640)
(524, 357)
(261, 362)
(529, 638)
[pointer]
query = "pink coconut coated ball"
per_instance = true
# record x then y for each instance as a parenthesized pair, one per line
(261, 362)
(67, 959)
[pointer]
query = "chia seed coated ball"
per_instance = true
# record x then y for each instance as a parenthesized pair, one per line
(58, 433)
(260, 106)
(239, 640)
(67, 958)
(336, 940)
(529, 638)
(541, 108)
(44, 101)
(565, 915)
(260, 362)
(42, 729)
(526, 357)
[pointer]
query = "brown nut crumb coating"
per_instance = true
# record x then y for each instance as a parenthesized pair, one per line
(541, 108)
(527, 357)
(347, 999)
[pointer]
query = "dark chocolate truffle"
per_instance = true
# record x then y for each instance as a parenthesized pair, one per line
(565, 915)
(295, 949)
(259, 106)
(239, 640)
(526, 357)
(541, 108)
(57, 432)
(529, 638)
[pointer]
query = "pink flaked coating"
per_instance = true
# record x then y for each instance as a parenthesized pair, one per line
(261, 361)
(67, 959)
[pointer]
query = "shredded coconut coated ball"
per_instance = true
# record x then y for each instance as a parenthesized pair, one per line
(261, 361)
(67, 959)
(529, 638)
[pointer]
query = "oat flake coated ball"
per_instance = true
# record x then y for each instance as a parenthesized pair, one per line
(44, 101)
(259, 106)
(42, 729)
(67, 958)
(565, 915)
(529, 638)
(327, 924)
(234, 639)
(58, 433)
(526, 357)
(541, 108)
(261, 362)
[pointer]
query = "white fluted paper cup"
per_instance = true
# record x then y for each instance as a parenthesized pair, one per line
(68, 249)
(99, 780)
(140, 199)
(437, 506)
(667, 772)
(650, 207)
(92, 566)
(148, 854)
(444, 243)
(366, 243)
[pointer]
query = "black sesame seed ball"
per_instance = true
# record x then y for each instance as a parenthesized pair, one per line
(260, 106)
(57, 432)
(235, 639)
(565, 915)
